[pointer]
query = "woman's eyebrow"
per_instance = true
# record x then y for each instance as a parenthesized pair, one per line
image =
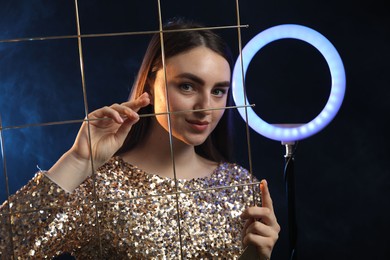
(191, 77)
(199, 80)
(225, 84)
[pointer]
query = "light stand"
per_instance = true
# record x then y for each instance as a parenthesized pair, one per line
(290, 191)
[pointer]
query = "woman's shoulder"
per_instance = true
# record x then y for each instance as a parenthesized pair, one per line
(232, 167)
(233, 173)
(116, 168)
(117, 164)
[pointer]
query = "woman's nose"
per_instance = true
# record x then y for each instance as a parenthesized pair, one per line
(203, 102)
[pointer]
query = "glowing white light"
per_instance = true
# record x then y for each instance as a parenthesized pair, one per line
(336, 67)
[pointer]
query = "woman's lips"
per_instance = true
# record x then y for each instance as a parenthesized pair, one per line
(197, 125)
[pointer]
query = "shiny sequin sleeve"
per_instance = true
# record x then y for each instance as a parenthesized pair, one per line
(41, 220)
(126, 213)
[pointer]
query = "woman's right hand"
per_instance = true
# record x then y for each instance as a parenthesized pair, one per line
(107, 129)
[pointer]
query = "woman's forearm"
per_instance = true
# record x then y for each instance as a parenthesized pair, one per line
(69, 171)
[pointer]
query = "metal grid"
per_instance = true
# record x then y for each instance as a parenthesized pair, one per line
(80, 37)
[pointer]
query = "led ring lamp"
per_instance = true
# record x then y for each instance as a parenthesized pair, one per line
(283, 133)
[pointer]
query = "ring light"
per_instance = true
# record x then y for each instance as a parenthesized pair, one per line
(297, 132)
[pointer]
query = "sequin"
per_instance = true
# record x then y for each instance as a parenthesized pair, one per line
(129, 215)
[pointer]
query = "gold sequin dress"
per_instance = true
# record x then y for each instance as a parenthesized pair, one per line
(129, 214)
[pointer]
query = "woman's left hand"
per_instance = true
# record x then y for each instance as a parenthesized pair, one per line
(261, 228)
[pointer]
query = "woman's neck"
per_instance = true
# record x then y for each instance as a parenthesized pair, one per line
(154, 155)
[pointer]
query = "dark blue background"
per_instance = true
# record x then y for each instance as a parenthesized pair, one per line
(342, 174)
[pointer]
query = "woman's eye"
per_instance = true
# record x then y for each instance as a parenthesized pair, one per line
(186, 87)
(219, 92)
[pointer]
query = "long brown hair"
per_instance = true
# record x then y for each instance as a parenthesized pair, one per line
(218, 146)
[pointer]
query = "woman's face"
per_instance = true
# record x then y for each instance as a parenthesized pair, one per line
(196, 79)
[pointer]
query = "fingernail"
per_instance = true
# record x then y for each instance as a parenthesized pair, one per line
(263, 183)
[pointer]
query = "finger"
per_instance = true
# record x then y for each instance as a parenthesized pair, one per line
(124, 129)
(265, 195)
(139, 102)
(261, 235)
(107, 112)
(260, 229)
(125, 112)
(256, 213)
(248, 222)
(264, 244)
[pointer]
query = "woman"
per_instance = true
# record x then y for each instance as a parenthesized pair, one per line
(133, 207)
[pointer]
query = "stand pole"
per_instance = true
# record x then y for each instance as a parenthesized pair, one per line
(290, 191)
